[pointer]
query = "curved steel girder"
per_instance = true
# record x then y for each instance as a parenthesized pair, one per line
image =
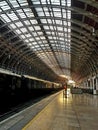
(77, 22)
(23, 69)
(85, 13)
(93, 3)
(83, 72)
(19, 58)
(93, 58)
(90, 65)
(76, 9)
(77, 39)
(15, 60)
(75, 48)
(83, 59)
(76, 42)
(82, 39)
(5, 54)
(86, 44)
(12, 59)
(15, 52)
(79, 10)
(76, 29)
(84, 33)
(79, 58)
(81, 44)
(61, 51)
(76, 35)
(19, 69)
(27, 51)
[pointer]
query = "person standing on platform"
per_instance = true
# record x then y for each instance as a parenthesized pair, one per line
(65, 91)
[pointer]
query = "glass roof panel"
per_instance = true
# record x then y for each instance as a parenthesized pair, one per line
(28, 35)
(34, 21)
(3, 3)
(14, 3)
(63, 2)
(13, 16)
(29, 44)
(44, 28)
(36, 1)
(19, 24)
(13, 25)
(34, 34)
(40, 33)
(22, 36)
(31, 39)
(27, 22)
(41, 13)
(26, 40)
(42, 37)
(34, 43)
(58, 22)
(23, 2)
(57, 14)
(57, 2)
(18, 31)
(21, 13)
(69, 3)
(24, 30)
(5, 18)
(5, 7)
(37, 38)
(43, 20)
(47, 13)
(37, 28)
(28, 12)
(31, 28)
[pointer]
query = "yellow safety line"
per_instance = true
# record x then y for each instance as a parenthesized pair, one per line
(36, 116)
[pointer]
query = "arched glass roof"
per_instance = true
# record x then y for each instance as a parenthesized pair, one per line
(49, 38)
(42, 27)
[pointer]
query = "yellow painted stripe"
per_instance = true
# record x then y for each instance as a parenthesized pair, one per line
(31, 122)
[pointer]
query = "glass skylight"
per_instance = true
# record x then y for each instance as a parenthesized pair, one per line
(14, 3)
(5, 18)
(19, 24)
(44, 26)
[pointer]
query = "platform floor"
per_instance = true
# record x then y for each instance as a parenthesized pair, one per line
(76, 112)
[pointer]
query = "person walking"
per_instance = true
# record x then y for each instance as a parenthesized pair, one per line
(65, 91)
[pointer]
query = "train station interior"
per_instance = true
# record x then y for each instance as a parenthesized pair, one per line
(44, 46)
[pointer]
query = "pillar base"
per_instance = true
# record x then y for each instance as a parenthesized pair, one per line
(95, 92)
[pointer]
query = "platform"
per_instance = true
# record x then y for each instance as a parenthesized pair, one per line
(76, 112)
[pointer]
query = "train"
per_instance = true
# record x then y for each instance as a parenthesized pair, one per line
(16, 89)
